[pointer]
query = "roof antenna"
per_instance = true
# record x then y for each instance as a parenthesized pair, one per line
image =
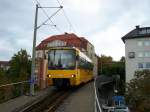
(66, 33)
(137, 26)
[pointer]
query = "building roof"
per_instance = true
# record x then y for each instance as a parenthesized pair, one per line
(138, 32)
(5, 63)
(70, 38)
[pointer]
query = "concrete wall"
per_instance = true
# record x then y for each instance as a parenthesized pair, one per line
(95, 69)
(131, 45)
(91, 54)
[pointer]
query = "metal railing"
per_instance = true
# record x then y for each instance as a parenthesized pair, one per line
(13, 90)
(15, 83)
(98, 106)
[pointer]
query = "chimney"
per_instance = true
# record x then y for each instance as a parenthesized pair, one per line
(66, 33)
(137, 26)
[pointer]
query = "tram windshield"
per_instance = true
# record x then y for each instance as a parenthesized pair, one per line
(61, 59)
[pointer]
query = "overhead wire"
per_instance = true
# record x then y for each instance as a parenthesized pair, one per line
(49, 17)
(67, 18)
(71, 27)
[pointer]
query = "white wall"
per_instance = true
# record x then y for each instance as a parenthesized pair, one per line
(131, 45)
(91, 55)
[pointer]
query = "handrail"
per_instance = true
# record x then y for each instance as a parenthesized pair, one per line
(96, 98)
(10, 84)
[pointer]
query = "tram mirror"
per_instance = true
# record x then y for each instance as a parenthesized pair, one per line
(45, 56)
(77, 57)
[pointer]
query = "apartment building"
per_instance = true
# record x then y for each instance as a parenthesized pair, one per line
(137, 50)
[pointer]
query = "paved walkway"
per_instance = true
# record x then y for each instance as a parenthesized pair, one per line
(20, 102)
(80, 101)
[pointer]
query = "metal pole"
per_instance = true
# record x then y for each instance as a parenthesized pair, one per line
(101, 68)
(33, 54)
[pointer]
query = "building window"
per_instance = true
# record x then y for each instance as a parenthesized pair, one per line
(142, 31)
(148, 30)
(148, 65)
(143, 43)
(140, 65)
(131, 55)
(147, 43)
(140, 54)
(147, 54)
(140, 43)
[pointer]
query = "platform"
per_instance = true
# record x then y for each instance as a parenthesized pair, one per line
(80, 101)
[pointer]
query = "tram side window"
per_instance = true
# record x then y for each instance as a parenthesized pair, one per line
(85, 64)
(90, 66)
(81, 63)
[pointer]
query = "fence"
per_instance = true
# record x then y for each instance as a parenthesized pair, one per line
(98, 106)
(13, 90)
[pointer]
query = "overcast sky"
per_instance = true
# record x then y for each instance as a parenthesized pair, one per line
(102, 22)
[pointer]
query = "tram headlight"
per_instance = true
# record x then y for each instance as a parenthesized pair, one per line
(49, 75)
(72, 76)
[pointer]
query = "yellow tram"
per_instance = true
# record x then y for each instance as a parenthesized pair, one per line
(68, 66)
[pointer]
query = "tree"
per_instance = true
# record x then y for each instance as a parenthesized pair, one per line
(109, 67)
(20, 66)
(122, 59)
(138, 91)
(102, 61)
(2, 72)
(105, 59)
(3, 77)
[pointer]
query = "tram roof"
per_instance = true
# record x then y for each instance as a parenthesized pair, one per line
(81, 54)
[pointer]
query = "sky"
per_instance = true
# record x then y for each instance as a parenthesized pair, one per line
(102, 22)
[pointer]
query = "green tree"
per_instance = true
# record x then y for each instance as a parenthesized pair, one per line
(3, 77)
(122, 59)
(2, 72)
(138, 91)
(109, 67)
(103, 61)
(20, 66)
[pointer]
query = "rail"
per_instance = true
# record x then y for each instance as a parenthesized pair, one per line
(48, 103)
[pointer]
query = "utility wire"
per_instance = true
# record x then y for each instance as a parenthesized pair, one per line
(59, 2)
(49, 18)
(69, 22)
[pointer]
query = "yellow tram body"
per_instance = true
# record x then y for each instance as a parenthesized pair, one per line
(81, 70)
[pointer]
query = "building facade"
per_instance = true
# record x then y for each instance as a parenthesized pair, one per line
(137, 51)
(5, 65)
(68, 40)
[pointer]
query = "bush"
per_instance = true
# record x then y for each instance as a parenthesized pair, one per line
(138, 92)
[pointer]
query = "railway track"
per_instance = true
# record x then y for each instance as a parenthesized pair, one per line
(53, 106)
(49, 103)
